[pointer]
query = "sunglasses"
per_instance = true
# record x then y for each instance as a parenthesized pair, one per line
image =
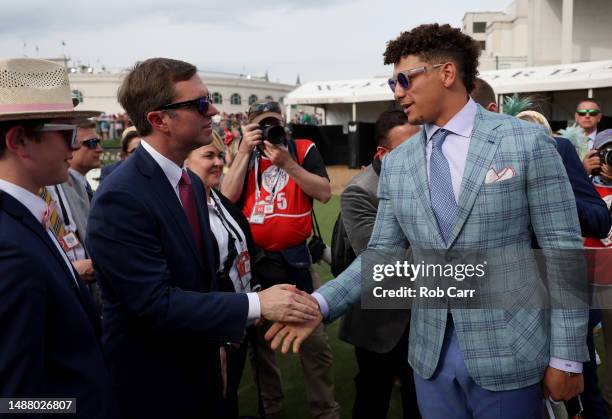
(92, 143)
(200, 104)
(585, 112)
(259, 108)
(69, 130)
(404, 77)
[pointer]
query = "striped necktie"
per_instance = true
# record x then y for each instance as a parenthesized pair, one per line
(52, 217)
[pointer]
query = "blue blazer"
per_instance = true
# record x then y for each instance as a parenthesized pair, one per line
(163, 321)
(108, 169)
(592, 210)
(50, 333)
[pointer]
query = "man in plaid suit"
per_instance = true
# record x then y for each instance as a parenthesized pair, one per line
(472, 180)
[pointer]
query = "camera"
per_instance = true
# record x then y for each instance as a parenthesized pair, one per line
(273, 133)
(605, 157)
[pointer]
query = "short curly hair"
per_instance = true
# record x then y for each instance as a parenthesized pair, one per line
(433, 42)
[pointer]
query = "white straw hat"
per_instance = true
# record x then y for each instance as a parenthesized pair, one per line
(36, 89)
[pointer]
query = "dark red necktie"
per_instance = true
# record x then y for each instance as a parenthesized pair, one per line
(189, 206)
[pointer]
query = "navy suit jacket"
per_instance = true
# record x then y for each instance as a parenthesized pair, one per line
(108, 169)
(592, 210)
(163, 321)
(49, 330)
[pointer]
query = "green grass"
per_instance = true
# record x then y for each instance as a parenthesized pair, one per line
(295, 405)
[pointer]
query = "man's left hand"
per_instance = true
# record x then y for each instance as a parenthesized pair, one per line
(278, 155)
(559, 385)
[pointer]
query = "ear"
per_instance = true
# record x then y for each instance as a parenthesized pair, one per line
(492, 107)
(16, 141)
(448, 74)
(158, 119)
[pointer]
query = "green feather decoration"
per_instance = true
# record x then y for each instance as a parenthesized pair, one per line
(576, 136)
(513, 105)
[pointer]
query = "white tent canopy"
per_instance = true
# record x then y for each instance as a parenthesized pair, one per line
(576, 76)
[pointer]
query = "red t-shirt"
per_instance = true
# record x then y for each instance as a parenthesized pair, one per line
(291, 222)
(599, 251)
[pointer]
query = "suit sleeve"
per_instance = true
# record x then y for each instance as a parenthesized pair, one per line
(592, 210)
(358, 216)
(22, 320)
(124, 242)
(555, 222)
(344, 291)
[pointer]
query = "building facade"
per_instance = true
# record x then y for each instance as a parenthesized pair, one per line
(231, 93)
(542, 32)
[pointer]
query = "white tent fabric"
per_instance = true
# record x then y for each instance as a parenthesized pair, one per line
(575, 76)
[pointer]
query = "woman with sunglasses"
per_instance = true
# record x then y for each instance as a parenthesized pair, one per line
(233, 256)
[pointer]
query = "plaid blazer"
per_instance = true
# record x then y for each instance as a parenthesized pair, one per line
(503, 348)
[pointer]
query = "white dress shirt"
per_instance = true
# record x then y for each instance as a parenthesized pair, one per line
(173, 173)
(37, 206)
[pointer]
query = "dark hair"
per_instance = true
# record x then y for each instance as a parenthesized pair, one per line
(149, 85)
(385, 123)
(589, 100)
(125, 141)
(483, 93)
(29, 125)
(435, 43)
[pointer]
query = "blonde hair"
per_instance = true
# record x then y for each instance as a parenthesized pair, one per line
(535, 117)
(217, 142)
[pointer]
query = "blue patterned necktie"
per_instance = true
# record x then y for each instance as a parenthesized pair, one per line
(441, 186)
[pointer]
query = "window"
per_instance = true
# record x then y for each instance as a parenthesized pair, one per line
(252, 99)
(236, 99)
(281, 100)
(77, 95)
(479, 27)
(217, 98)
(483, 45)
(269, 98)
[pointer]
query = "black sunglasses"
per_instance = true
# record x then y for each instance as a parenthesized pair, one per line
(200, 104)
(92, 143)
(259, 108)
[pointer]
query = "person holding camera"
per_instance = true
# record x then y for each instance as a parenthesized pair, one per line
(600, 250)
(274, 179)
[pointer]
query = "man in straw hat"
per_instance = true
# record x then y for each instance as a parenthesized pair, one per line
(150, 239)
(50, 331)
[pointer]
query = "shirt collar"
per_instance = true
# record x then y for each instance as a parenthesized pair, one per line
(78, 176)
(170, 169)
(34, 203)
(461, 124)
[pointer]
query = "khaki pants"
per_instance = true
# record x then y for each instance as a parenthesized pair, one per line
(316, 359)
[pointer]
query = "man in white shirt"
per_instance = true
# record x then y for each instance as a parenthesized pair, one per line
(150, 241)
(50, 332)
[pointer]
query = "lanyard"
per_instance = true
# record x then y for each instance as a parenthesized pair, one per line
(231, 230)
(257, 192)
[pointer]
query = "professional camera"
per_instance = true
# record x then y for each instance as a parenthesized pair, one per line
(605, 157)
(273, 133)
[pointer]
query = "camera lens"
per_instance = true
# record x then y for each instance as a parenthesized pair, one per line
(274, 133)
(607, 157)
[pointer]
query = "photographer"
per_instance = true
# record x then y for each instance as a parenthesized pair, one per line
(600, 250)
(274, 179)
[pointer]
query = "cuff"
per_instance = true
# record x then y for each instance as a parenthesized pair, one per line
(322, 304)
(254, 308)
(564, 365)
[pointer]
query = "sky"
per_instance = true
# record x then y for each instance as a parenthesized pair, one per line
(317, 39)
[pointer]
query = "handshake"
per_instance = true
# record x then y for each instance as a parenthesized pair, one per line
(295, 313)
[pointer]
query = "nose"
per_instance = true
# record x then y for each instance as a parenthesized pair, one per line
(399, 92)
(212, 111)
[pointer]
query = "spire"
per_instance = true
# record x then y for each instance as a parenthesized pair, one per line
(298, 82)
(266, 76)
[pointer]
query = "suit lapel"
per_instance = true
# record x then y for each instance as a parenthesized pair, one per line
(420, 184)
(483, 145)
(205, 231)
(167, 196)
(21, 213)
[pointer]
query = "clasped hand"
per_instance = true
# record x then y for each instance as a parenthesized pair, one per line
(285, 303)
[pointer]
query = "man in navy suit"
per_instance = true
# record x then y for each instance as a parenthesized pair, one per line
(50, 346)
(149, 237)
